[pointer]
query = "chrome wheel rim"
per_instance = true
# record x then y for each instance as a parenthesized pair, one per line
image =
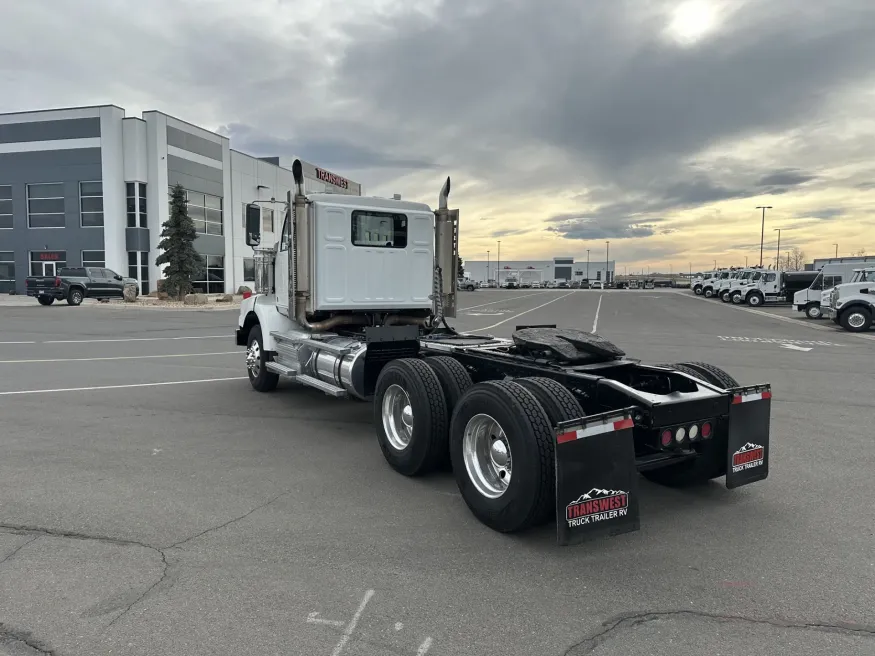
(253, 358)
(487, 456)
(77, 297)
(856, 320)
(397, 417)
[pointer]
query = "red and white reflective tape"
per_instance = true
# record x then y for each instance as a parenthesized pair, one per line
(595, 430)
(753, 396)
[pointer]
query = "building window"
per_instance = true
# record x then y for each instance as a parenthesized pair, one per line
(5, 207)
(45, 205)
(266, 219)
(215, 276)
(136, 204)
(47, 263)
(94, 259)
(248, 268)
(91, 204)
(205, 211)
(7, 272)
(138, 269)
(379, 229)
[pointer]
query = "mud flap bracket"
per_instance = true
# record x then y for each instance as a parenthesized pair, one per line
(596, 477)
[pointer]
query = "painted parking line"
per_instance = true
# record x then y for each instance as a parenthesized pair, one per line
(112, 387)
(770, 315)
(501, 300)
(559, 298)
(135, 339)
(122, 357)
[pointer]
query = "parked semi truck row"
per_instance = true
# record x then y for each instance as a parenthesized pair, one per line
(551, 422)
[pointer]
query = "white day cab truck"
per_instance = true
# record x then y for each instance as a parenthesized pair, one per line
(353, 301)
(852, 305)
(773, 287)
(814, 300)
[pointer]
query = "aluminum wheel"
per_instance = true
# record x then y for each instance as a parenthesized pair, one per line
(487, 456)
(253, 358)
(397, 417)
(856, 320)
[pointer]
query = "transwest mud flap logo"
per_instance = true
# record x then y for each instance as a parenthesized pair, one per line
(747, 457)
(597, 506)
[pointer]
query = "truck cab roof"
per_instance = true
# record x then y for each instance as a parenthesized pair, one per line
(370, 202)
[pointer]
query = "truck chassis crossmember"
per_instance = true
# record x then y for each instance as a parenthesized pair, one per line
(552, 422)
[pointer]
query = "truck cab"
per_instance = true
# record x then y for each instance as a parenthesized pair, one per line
(710, 285)
(852, 305)
(814, 300)
(733, 289)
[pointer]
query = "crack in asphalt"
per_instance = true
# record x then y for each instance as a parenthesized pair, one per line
(8, 635)
(165, 565)
(19, 548)
(631, 620)
(176, 545)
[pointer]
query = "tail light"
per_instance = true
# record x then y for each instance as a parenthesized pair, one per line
(247, 294)
(57, 282)
(666, 437)
(680, 434)
(25, 282)
(694, 433)
(706, 430)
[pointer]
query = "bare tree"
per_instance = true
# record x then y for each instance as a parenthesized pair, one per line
(792, 260)
(860, 252)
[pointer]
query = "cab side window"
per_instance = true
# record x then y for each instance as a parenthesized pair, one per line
(770, 277)
(285, 239)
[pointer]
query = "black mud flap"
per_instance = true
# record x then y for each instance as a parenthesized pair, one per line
(596, 477)
(748, 446)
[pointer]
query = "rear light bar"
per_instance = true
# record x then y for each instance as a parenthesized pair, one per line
(682, 435)
(57, 282)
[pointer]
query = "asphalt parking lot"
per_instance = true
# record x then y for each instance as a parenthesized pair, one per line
(152, 503)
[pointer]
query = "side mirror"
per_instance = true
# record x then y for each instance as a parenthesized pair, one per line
(118, 277)
(253, 225)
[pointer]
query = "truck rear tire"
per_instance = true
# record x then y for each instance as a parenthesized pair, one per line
(737, 298)
(453, 377)
(557, 401)
(410, 416)
(726, 297)
(813, 311)
(710, 374)
(260, 378)
(45, 300)
(501, 446)
(75, 296)
(856, 319)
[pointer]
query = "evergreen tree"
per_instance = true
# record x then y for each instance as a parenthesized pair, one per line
(461, 272)
(183, 262)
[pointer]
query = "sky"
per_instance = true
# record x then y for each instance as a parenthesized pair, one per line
(656, 125)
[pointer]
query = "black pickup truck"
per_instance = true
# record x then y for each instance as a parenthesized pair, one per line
(76, 284)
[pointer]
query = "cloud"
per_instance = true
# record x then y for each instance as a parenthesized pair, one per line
(785, 178)
(591, 112)
(824, 214)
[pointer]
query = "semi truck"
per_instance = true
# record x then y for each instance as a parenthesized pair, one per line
(815, 299)
(773, 287)
(549, 422)
(852, 304)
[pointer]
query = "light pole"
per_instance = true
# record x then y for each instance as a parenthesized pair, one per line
(587, 264)
(487, 268)
(715, 265)
(498, 264)
(837, 249)
(778, 255)
(607, 259)
(763, 229)
(745, 261)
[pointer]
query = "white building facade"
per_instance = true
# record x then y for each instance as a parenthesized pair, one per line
(88, 186)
